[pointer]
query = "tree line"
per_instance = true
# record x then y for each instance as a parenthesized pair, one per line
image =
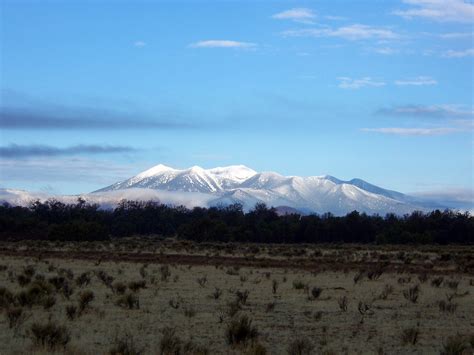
(54, 220)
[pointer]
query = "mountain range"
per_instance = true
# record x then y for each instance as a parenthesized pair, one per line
(239, 184)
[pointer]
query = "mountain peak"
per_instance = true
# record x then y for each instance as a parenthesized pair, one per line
(157, 169)
(195, 169)
(240, 184)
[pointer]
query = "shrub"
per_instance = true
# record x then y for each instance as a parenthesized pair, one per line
(6, 298)
(387, 290)
(342, 302)
(412, 293)
(298, 285)
(375, 273)
(83, 280)
(57, 281)
(452, 284)
(436, 282)
(202, 281)
(410, 336)
(455, 345)
(423, 277)
(119, 288)
(67, 290)
(48, 302)
(300, 346)
(315, 293)
(274, 286)
(170, 344)
(364, 308)
(105, 278)
(194, 349)
(240, 331)
(189, 311)
(29, 271)
(165, 273)
(270, 307)
(143, 272)
(447, 306)
(255, 349)
(174, 303)
(23, 280)
(217, 293)
(67, 273)
(15, 317)
(50, 335)
(71, 311)
(129, 301)
(125, 346)
(242, 296)
(135, 286)
(358, 276)
(233, 308)
(85, 298)
(35, 294)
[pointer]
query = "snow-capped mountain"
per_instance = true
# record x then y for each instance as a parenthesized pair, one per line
(194, 179)
(240, 184)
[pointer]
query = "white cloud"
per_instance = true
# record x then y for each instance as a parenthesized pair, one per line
(413, 131)
(139, 44)
(456, 35)
(218, 43)
(429, 111)
(334, 18)
(78, 169)
(439, 10)
(349, 83)
(385, 50)
(302, 15)
(459, 54)
(417, 81)
(352, 32)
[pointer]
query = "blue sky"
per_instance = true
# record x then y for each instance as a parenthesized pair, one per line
(93, 92)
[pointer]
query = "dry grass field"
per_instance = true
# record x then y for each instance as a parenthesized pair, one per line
(151, 296)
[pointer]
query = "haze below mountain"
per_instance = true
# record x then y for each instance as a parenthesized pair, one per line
(223, 186)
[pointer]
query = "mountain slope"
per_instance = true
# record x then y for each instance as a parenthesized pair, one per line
(240, 184)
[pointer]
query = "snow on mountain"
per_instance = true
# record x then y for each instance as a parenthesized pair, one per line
(194, 179)
(239, 184)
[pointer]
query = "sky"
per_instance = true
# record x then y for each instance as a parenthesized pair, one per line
(93, 92)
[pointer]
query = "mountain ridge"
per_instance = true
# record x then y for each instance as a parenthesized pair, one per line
(240, 184)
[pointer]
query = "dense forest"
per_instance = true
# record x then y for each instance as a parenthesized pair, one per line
(53, 220)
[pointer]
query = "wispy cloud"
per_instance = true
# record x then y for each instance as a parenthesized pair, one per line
(22, 151)
(139, 44)
(220, 43)
(417, 81)
(453, 120)
(385, 50)
(413, 131)
(439, 10)
(429, 111)
(70, 118)
(349, 83)
(456, 35)
(459, 54)
(301, 14)
(334, 18)
(354, 32)
(63, 169)
(462, 198)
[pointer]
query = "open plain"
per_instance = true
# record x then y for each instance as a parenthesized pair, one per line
(166, 296)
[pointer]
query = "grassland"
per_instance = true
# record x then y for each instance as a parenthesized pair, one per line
(152, 296)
